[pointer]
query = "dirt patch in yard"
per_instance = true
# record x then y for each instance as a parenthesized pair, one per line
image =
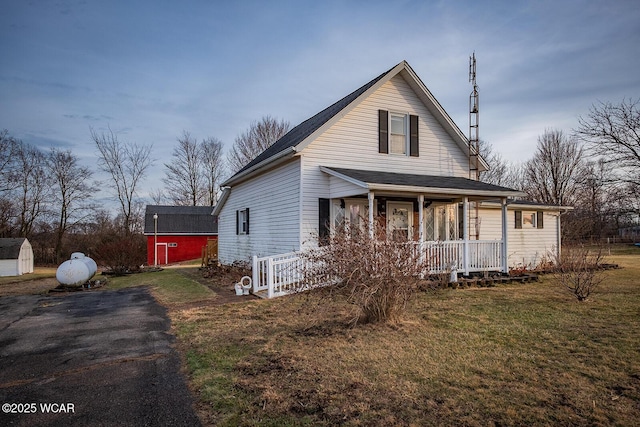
(28, 287)
(221, 280)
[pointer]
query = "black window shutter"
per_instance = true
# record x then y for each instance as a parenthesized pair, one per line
(247, 213)
(237, 222)
(540, 219)
(413, 136)
(323, 221)
(518, 219)
(383, 131)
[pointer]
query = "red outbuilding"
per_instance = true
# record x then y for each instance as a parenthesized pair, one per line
(178, 233)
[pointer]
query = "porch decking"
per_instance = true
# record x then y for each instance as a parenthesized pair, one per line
(282, 274)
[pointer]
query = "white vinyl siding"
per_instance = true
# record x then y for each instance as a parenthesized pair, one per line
(273, 203)
(352, 143)
(339, 188)
(527, 246)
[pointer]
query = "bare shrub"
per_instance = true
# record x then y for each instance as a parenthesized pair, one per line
(122, 254)
(579, 271)
(377, 276)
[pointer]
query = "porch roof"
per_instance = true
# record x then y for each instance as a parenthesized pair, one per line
(414, 183)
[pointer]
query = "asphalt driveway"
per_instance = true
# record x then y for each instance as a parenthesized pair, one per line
(90, 358)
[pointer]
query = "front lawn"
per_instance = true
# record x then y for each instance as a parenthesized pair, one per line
(512, 355)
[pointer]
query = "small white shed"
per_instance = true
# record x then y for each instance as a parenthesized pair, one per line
(16, 257)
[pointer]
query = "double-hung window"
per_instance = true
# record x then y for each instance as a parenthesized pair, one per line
(242, 221)
(398, 133)
(524, 219)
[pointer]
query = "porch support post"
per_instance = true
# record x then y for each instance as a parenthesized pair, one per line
(505, 236)
(421, 246)
(421, 219)
(371, 199)
(465, 235)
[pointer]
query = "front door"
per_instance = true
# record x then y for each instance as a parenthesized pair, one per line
(400, 219)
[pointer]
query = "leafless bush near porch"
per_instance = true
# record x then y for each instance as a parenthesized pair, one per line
(377, 276)
(578, 270)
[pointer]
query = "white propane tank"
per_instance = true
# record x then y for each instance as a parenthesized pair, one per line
(76, 271)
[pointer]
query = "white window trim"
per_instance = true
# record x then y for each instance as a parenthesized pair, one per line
(242, 221)
(406, 133)
(534, 217)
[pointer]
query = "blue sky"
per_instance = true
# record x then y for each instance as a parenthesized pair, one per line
(151, 69)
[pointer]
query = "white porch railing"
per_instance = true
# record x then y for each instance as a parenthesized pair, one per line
(278, 275)
(483, 255)
(282, 274)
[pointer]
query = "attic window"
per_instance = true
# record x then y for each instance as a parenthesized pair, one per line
(398, 134)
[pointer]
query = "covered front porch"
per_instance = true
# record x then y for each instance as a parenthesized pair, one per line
(437, 214)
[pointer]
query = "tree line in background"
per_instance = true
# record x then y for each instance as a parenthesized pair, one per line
(49, 197)
(595, 170)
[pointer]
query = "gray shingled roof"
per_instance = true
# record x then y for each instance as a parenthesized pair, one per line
(429, 181)
(299, 133)
(196, 220)
(10, 248)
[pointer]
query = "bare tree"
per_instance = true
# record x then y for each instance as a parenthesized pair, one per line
(551, 175)
(73, 194)
(501, 172)
(612, 131)
(7, 214)
(8, 149)
(127, 164)
(193, 176)
(158, 197)
(184, 181)
(213, 168)
(33, 183)
(260, 136)
(8, 182)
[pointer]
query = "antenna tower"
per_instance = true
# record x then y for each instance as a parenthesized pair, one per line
(474, 116)
(474, 139)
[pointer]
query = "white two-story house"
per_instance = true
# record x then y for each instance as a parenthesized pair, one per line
(387, 150)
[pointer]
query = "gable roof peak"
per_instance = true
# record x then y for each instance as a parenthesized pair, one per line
(300, 135)
(301, 132)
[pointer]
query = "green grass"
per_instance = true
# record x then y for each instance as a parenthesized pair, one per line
(514, 355)
(169, 286)
(620, 249)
